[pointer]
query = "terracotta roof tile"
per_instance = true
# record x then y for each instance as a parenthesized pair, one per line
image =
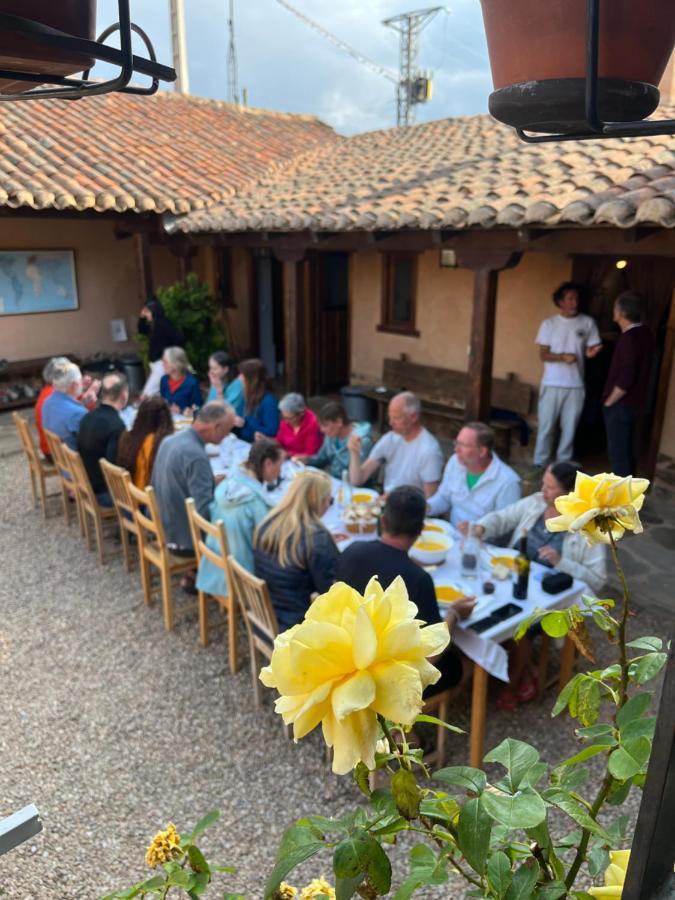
(166, 153)
(467, 172)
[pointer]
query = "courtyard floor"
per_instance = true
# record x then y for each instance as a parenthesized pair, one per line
(114, 727)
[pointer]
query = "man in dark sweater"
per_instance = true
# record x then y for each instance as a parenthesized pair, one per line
(628, 380)
(402, 522)
(100, 430)
(182, 469)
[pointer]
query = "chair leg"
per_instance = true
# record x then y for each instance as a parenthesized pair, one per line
(203, 607)
(99, 539)
(87, 528)
(441, 734)
(66, 503)
(126, 547)
(233, 651)
(167, 597)
(255, 669)
(542, 667)
(146, 578)
(43, 494)
(33, 488)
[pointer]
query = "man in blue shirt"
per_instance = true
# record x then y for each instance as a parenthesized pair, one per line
(62, 412)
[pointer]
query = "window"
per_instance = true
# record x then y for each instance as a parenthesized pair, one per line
(399, 285)
(225, 284)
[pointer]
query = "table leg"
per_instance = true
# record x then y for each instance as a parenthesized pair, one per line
(567, 660)
(478, 703)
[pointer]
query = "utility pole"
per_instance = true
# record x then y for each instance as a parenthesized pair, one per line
(232, 72)
(180, 63)
(413, 86)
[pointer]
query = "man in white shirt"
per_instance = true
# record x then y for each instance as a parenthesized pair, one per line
(409, 453)
(565, 341)
(475, 481)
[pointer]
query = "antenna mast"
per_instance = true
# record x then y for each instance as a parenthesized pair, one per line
(178, 46)
(414, 86)
(232, 71)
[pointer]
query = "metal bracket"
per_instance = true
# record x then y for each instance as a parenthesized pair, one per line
(19, 827)
(597, 128)
(76, 88)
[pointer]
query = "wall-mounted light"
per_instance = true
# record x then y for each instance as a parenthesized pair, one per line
(448, 259)
(621, 263)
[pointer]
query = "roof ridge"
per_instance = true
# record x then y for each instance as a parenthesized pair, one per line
(174, 96)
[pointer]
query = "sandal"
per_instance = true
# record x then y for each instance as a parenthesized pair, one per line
(528, 687)
(507, 700)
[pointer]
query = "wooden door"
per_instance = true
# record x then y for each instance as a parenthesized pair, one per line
(331, 305)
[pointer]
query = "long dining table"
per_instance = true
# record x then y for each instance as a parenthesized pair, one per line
(483, 648)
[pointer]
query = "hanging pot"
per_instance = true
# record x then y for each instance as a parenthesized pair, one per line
(538, 58)
(77, 18)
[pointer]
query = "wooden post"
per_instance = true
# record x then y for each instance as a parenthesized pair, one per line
(293, 358)
(144, 263)
(661, 395)
(482, 345)
(478, 702)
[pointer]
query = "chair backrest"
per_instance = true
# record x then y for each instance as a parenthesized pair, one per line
(61, 461)
(80, 478)
(256, 607)
(201, 528)
(117, 479)
(26, 438)
(146, 514)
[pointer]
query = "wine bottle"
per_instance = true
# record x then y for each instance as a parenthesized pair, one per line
(522, 568)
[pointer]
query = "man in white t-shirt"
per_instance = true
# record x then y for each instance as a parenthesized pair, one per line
(409, 453)
(565, 341)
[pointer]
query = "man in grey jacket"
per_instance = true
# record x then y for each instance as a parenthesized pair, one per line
(182, 470)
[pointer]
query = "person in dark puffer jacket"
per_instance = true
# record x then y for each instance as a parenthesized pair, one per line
(293, 551)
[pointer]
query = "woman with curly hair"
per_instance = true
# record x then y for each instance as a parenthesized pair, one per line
(137, 448)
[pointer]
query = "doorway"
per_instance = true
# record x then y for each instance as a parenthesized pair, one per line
(270, 314)
(604, 278)
(331, 307)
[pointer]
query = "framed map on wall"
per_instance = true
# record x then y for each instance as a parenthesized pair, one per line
(37, 281)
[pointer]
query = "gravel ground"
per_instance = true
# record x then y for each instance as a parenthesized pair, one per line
(114, 727)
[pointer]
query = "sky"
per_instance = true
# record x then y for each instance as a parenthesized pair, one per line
(287, 66)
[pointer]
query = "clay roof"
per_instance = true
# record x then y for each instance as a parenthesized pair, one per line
(119, 152)
(455, 174)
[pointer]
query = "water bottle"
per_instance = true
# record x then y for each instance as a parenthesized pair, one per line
(470, 550)
(345, 492)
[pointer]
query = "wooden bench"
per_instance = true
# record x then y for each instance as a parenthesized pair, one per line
(443, 392)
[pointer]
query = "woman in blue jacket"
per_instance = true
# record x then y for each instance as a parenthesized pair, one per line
(179, 385)
(225, 383)
(261, 412)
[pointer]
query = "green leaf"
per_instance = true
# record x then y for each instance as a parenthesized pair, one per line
(572, 778)
(552, 890)
(646, 643)
(638, 728)
(597, 861)
(534, 775)
(406, 793)
(556, 624)
(289, 861)
(525, 809)
(647, 667)
(618, 793)
(361, 854)
(517, 757)
(197, 861)
(633, 709)
(208, 820)
(588, 752)
(575, 811)
(630, 758)
(523, 882)
(298, 836)
(200, 882)
(587, 702)
(157, 881)
(443, 808)
(361, 775)
(379, 869)
(432, 720)
(425, 869)
(229, 896)
(473, 834)
(345, 887)
(594, 731)
(582, 895)
(566, 695)
(617, 829)
(463, 776)
(499, 873)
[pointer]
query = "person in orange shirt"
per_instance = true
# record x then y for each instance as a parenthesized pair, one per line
(137, 448)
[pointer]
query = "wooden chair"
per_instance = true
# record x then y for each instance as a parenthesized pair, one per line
(118, 479)
(438, 705)
(66, 478)
(201, 528)
(38, 469)
(153, 551)
(91, 511)
(259, 617)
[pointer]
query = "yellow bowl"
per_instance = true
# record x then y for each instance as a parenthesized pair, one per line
(448, 593)
(440, 526)
(430, 549)
(364, 495)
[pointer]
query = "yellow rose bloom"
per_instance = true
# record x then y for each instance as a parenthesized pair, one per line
(286, 891)
(615, 875)
(317, 888)
(351, 658)
(164, 847)
(599, 504)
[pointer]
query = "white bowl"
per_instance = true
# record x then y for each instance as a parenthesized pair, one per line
(363, 495)
(430, 549)
(440, 526)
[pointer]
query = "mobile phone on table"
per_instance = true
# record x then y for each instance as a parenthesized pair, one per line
(499, 615)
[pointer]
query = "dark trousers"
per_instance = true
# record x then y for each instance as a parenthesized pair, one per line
(620, 427)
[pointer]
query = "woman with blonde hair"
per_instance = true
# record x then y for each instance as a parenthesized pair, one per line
(293, 550)
(179, 385)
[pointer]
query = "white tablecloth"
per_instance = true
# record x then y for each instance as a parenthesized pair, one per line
(484, 648)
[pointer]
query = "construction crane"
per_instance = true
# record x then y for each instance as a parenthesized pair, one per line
(412, 86)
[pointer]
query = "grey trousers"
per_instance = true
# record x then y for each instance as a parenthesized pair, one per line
(562, 405)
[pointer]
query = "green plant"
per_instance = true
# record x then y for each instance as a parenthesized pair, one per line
(496, 835)
(193, 310)
(183, 863)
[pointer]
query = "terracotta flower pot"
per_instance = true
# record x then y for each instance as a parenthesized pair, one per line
(21, 54)
(538, 58)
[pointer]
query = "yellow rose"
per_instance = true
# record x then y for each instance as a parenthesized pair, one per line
(615, 875)
(351, 658)
(601, 503)
(317, 888)
(286, 891)
(164, 847)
